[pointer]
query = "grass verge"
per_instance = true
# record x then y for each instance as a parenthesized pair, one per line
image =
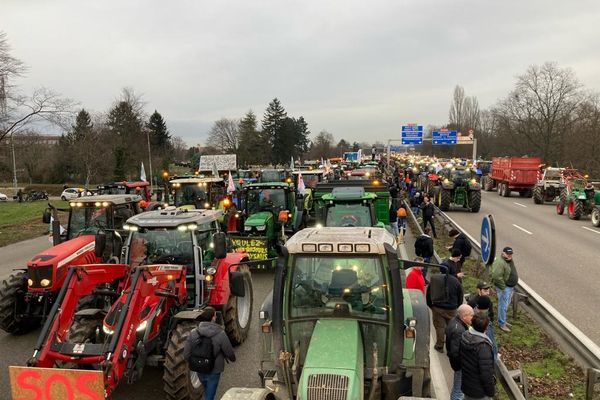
(21, 221)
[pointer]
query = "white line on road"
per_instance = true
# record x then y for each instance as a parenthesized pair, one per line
(591, 230)
(519, 204)
(523, 229)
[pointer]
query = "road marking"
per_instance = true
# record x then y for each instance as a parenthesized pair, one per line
(523, 229)
(519, 204)
(591, 230)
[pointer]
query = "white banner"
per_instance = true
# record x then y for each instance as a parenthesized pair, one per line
(224, 162)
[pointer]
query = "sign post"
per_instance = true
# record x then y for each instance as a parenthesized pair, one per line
(412, 134)
(488, 239)
(443, 136)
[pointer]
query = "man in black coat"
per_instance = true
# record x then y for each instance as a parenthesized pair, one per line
(452, 263)
(444, 294)
(477, 361)
(456, 327)
(424, 248)
(428, 212)
(462, 243)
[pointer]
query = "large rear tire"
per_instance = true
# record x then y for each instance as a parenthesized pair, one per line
(575, 209)
(505, 190)
(11, 289)
(445, 199)
(238, 311)
(596, 217)
(475, 200)
(82, 330)
(488, 184)
(179, 382)
(538, 196)
(562, 202)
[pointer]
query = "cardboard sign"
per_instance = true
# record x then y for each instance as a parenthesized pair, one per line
(224, 162)
(55, 384)
(256, 248)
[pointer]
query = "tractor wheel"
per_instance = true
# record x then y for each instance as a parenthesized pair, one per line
(488, 185)
(238, 311)
(596, 216)
(505, 190)
(538, 196)
(82, 330)
(575, 209)
(11, 289)
(562, 202)
(445, 199)
(475, 200)
(179, 383)
(499, 188)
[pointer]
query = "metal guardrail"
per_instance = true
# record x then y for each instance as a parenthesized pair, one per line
(503, 375)
(574, 342)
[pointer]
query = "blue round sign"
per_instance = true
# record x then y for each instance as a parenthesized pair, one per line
(488, 239)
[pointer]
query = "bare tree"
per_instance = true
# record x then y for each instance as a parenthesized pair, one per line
(464, 111)
(322, 146)
(456, 115)
(224, 135)
(584, 139)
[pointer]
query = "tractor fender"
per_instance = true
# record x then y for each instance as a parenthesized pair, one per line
(248, 394)
(421, 314)
(449, 186)
(221, 292)
(191, 315)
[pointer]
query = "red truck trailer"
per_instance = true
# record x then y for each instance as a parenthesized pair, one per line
(519, 174)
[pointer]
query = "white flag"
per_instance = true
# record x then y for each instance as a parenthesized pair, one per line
(143, 173)
(215, 170)
(301, 187)
(230, 184)
(292, 164)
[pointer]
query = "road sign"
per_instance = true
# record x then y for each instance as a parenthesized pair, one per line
(412, 134)
(443, 136)
(488, 239)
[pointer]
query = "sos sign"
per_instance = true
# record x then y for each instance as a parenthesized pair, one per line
(54, 384)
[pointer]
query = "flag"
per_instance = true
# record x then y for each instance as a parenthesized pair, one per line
(301, 187)
(359, 157)
(215, 170)
(230, 184)
(143, 173)
(292, 164)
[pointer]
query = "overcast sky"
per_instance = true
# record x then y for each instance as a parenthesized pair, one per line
(358, 69)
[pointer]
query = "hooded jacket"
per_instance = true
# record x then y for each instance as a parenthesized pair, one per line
(221, 345)
(477, 363)
(454, 330)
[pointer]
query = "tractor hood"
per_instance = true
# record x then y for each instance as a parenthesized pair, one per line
(334, 361)
(259, 219)
(65, 252)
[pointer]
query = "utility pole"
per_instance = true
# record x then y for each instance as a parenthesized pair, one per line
(150, 157)
(12, 145)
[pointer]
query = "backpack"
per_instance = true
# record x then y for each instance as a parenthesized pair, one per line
(202, 358)
(419, 245)
(438, 288)
(467, 248)
(401, 213)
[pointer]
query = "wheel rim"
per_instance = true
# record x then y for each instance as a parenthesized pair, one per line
(571, 207)
(596, 217)
(194, 380)
(243, 306)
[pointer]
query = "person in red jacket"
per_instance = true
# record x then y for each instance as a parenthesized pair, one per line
(414, 277)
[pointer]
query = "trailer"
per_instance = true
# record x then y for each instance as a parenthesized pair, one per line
(518, 174)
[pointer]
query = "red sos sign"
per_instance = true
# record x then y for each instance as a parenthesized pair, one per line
(55, 384)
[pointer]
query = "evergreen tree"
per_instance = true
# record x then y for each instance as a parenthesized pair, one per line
(302, 144)
(126, 125)
(160, 138)
(83, 125)
(272, 124)
(355, 147)
(252, 143)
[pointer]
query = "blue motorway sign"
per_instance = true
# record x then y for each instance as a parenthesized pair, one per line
(412, 134)
(488, 239)
(443, 137)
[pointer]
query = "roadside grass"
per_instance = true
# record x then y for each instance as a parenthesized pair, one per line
(551, 374)
(21, 221)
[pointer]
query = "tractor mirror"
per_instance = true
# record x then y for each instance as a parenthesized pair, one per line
(283, 216)
(100, 244)
(220, 245)
(46, 217)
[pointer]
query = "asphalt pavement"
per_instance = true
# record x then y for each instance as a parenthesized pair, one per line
(556, 256)
(16, 255)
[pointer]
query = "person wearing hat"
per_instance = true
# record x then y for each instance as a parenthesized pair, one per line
(504, 276)
(482, 303)
(452, 263)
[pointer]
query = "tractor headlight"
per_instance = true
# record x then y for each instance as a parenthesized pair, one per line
(261, 228)
(142, 326)
(208, 278)
(206, 205)
(211, 270)
(45, 282)
(247, 228)
(107, 330)
(30, 282)
(446, 181)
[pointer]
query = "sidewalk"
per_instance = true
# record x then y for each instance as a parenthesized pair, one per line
(442, 374)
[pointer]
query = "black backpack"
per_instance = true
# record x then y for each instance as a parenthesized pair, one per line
(419, 246)
(202, 358)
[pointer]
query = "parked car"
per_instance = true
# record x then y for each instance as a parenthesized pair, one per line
(3, 197)
(70, 193)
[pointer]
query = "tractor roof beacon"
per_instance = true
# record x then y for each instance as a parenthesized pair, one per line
(338, 321)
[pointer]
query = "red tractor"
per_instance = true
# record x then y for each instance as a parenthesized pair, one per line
(175, 265)
(27, 295)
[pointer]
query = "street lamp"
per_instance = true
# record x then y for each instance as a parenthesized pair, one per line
(150, 157)
(12, 145)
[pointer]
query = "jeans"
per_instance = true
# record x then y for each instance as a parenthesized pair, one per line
(210, 383)
(456, 393)
(425, 268)
(394, 226)
(430, 221)
(504, 296)
(401, 225)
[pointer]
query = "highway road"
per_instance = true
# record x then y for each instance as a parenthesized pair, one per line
(556, 256)
(16, 255)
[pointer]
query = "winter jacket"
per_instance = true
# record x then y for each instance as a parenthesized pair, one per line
(444, 291)
(393, 215)
(428, 210)
(221, 345)
(453, 267)
(415, 280)
(473, 303)
(426, 245)
(477, 364)
(454, 330)
(501, 272)
(462, 243)
(513, 277)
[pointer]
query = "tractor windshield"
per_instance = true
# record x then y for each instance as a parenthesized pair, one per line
(190, 194)
(311, 180)
(350, 214)
(272, 176)
(266, 199)
(88, 220)
(161, 246)
(339, 287)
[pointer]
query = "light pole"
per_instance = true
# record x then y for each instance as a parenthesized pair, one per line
(12, 145)
(150, 158)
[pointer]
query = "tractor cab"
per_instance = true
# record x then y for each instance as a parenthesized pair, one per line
(349, 206)
(198, 192)
(141, 188)
(274, 175)
(310, 177)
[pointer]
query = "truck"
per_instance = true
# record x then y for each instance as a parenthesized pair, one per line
(339, 324)
(28, 294)
(515, 174)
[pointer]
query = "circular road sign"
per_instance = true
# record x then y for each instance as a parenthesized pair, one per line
(488, 239)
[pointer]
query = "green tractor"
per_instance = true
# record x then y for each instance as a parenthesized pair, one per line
(267, 213)
(580, 198)
(458, 187)
(349, 206)
(339, 324)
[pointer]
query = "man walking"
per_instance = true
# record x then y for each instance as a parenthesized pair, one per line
(428, 211)
(222, 350)
(394, 219)
(477, 361)
(505, 278)
(444, 294)
(456, 327)
(424, 248)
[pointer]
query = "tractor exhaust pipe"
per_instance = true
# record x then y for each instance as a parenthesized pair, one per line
(373, 394)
